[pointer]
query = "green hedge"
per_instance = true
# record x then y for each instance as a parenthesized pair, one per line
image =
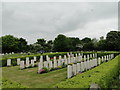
(3, 62)
(102, 75)
(11, 84)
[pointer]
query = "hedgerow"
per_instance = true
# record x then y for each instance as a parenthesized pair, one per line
(102, 75)
(3, 62)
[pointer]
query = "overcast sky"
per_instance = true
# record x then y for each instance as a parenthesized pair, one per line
(33, 20)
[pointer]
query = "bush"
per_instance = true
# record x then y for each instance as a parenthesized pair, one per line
(103, 75)
(52, 69)
(3, 61)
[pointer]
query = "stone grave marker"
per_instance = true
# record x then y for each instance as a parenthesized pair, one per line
(18, 61)
(22, 65)
(69, 71)
(8, 62)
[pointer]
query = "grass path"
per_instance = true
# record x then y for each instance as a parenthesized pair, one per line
(30, 78)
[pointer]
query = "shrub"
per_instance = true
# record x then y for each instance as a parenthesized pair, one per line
(52, 69)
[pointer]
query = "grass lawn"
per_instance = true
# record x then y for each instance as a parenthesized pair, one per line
(30, 78)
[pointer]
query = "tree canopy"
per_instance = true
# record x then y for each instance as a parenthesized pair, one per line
(61, 43)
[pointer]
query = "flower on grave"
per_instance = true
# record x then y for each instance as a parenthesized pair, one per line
(41, 71)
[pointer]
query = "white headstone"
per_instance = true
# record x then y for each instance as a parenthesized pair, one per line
(90, 55)
(79, 59)
(18, 61)
(69, 59)
(27, 62)
(102, 59)
(105, 58)
(41, 58)
(69, 71)
(96, 62)
(91, 64)
(99, 61)
(40, 65)
(93, 55)
(60, 57)
(88, 64)
(76, 57)
(35, 59)
(55, 62)
(65, 58)
(74, 60)
(22, 65)
(32, 63)
(47, 58)
(46, 64)
(27, 58)
(84, 58)
(74, 69)
(8, 62)
(78, 67)
(82, 66)
(59, 62)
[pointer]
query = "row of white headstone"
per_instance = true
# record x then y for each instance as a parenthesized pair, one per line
(73, 69)
(67, 59)
(69, 56)
(22, 63)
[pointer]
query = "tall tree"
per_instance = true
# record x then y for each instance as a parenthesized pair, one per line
(22, 45)
(61, 43)
(113, 40)
(9, 44)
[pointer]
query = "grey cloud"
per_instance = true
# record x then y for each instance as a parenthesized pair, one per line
(36, 20)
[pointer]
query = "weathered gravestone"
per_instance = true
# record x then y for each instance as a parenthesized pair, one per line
(69, 59)
(22, 65)
(65, 58)
(18, 61)
(27, 62)
(99, 61)
(41, 58)
(82, 66)
(69, 71)
(46, 64)
(78, 67)
(40, 65)
(8, 62)
(74, 69)
(55, 62)
(32, 63)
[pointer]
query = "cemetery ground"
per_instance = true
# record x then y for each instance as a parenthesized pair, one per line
(30, 79)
